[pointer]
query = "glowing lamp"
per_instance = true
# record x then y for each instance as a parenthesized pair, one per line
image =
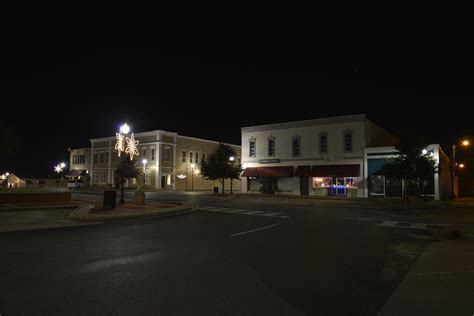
(124, 129)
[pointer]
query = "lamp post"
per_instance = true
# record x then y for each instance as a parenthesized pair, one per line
(231, 159)
(144, 161)
(465, 143)
(192, 176)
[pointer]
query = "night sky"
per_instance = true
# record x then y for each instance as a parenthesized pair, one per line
(54, 97)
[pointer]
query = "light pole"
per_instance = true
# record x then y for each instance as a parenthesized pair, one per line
(231, 159)
(192, 176)
(144, 161)
(465, 143)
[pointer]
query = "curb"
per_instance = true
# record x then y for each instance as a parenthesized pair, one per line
(37, 208)
(83, 214)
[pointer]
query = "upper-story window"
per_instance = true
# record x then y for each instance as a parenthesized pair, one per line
(101, 157)
(347, 141)
(252, 148)
(106, 157)
(203, 157)
(167, 153)
(190, 157)
(271, 146)
(196, 156)
(153, 154)
(323, 143)
(183, 156)
(95, 157)
(296, 146)
(144, 152)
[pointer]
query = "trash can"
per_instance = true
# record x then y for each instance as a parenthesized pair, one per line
(216, 190)
(110, 199)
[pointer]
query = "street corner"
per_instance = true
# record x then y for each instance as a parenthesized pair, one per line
(89, 213)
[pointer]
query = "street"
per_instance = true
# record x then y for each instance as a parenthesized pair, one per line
(232, 257)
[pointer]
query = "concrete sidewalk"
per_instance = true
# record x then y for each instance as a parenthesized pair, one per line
(441, 282)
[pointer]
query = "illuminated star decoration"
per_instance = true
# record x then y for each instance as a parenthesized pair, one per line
(132, 148)
(58, 168)
(120, 145)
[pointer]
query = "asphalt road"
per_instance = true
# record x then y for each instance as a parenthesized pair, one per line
(230, 258)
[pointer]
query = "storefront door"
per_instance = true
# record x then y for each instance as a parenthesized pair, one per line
(338, 188)
(304, 185)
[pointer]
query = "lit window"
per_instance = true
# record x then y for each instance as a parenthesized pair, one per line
(322, 182)
(351, 183)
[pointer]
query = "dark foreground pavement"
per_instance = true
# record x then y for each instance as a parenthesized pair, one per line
(268, 260)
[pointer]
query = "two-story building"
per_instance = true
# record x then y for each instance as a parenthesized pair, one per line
(312, 157)
(172, 161)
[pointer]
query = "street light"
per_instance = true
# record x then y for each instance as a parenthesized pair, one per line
(124, 129)
(461, 165)
(231, 159)
(192, 176)
(465, 143)
(144, 161)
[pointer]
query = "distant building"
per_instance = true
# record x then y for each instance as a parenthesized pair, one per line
(173, 161)
(313, 157)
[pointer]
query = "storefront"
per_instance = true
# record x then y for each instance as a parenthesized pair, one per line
(269, 180)
(340, 180)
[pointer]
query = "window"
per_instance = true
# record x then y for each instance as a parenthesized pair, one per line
(203, 157)
(239, 160)
(167, 153)
(153, 154)
(295, 148)
(103, 177)
(323, 143)
(148, 177)
(95, 157)
(101, 157)
(322, 182)
(83, 159)
(196, 156)
(271, 147)
(183, 156)
(252, 148)
(348, 141)
(144, 153)
(190, 157)
(107, 157)
(351, 183)
(94, 177)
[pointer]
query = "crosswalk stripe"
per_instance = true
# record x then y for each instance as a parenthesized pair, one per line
(244, 212)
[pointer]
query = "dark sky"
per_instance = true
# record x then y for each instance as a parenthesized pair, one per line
(58, 96)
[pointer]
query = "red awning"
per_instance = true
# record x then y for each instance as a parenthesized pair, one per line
(336, 170)
(268, 172)
(303, 171)
(76, 173)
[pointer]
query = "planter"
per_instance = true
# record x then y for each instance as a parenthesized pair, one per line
(139, 198)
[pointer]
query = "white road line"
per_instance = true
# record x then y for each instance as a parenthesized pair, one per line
(244, 212)
(254, 230)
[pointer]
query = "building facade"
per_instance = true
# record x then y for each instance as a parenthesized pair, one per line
(173, 161)
(312, 157)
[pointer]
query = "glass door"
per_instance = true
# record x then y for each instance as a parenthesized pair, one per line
(340, 187)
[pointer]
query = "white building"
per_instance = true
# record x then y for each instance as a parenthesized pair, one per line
(312, 157)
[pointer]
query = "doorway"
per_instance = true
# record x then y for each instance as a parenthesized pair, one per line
(339, 188)
(163, 182)
(304, 185)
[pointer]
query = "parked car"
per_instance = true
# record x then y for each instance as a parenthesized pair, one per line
(76, 184)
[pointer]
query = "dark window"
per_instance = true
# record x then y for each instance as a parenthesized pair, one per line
(95, 157)
(183, 156)
(203, 157)
(296, 147)
(252, 148)
(271, 147)
(107, 157)
(196, 156)
(153, 154)
(347, 142)
(190, 157)
(323, 144)
(167, 154)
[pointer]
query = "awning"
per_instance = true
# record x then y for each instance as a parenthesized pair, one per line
(268, 172)
(336, 170)
(303, 171)
(76, 173)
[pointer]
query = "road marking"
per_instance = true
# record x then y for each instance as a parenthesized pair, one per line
(254, 230)
(399, 224)
(244, 212)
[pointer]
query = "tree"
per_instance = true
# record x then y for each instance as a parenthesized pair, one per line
(413, 165)
(126, 169)
(219, 167)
